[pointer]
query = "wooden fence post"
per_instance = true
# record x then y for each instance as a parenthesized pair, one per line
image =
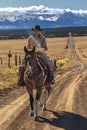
(19, 60)
(55, 65)
(16, 60)
(1, 60)
(9, 56)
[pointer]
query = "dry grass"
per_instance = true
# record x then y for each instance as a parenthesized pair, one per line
(81, 47)
(8, 77)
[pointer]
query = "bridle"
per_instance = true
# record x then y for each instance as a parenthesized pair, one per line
(28, 66)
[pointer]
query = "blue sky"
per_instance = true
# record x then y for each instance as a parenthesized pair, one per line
(72, 4)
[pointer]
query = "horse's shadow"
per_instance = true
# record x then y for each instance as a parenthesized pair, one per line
(66, 120)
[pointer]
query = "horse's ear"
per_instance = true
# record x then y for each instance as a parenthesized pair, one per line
(33, 49)
(25, 50)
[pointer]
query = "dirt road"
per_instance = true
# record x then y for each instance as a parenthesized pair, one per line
(66, 106)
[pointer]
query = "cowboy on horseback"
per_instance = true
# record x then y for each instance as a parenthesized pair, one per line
(38, 41)
(34, 74)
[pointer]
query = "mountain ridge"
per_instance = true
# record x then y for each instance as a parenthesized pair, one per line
(27, 17)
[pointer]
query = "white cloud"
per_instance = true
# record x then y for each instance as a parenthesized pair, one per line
(41, 10)
(51, 18)
(76, 11)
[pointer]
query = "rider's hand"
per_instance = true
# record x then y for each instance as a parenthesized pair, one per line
(41, 49)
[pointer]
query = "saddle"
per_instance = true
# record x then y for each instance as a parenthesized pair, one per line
(42, 63)
(44, 67)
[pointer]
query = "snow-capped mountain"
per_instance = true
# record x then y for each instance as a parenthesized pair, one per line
(27, 17)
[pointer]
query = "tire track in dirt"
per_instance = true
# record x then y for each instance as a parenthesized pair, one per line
(11, 111)
(10, 94)
(71, 102)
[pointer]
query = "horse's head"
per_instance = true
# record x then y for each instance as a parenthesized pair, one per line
(30, 60)
(29, 53)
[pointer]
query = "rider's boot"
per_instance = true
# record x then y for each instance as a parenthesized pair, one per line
(51, 77)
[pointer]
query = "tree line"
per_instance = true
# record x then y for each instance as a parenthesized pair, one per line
(50, 32)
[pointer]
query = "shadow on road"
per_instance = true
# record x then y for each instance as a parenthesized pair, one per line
(66, 120)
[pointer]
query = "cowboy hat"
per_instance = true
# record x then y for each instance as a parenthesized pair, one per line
(37, 27)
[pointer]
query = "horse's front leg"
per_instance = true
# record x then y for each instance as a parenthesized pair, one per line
(38, 94)
(31, 106)
(46, 93)
(44, 99)
(30, 92)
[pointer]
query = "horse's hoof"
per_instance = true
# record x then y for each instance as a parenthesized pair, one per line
(36, 118)
(44, 108)
(31, 114)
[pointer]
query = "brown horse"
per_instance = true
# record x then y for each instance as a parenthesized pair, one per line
(35, 77)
